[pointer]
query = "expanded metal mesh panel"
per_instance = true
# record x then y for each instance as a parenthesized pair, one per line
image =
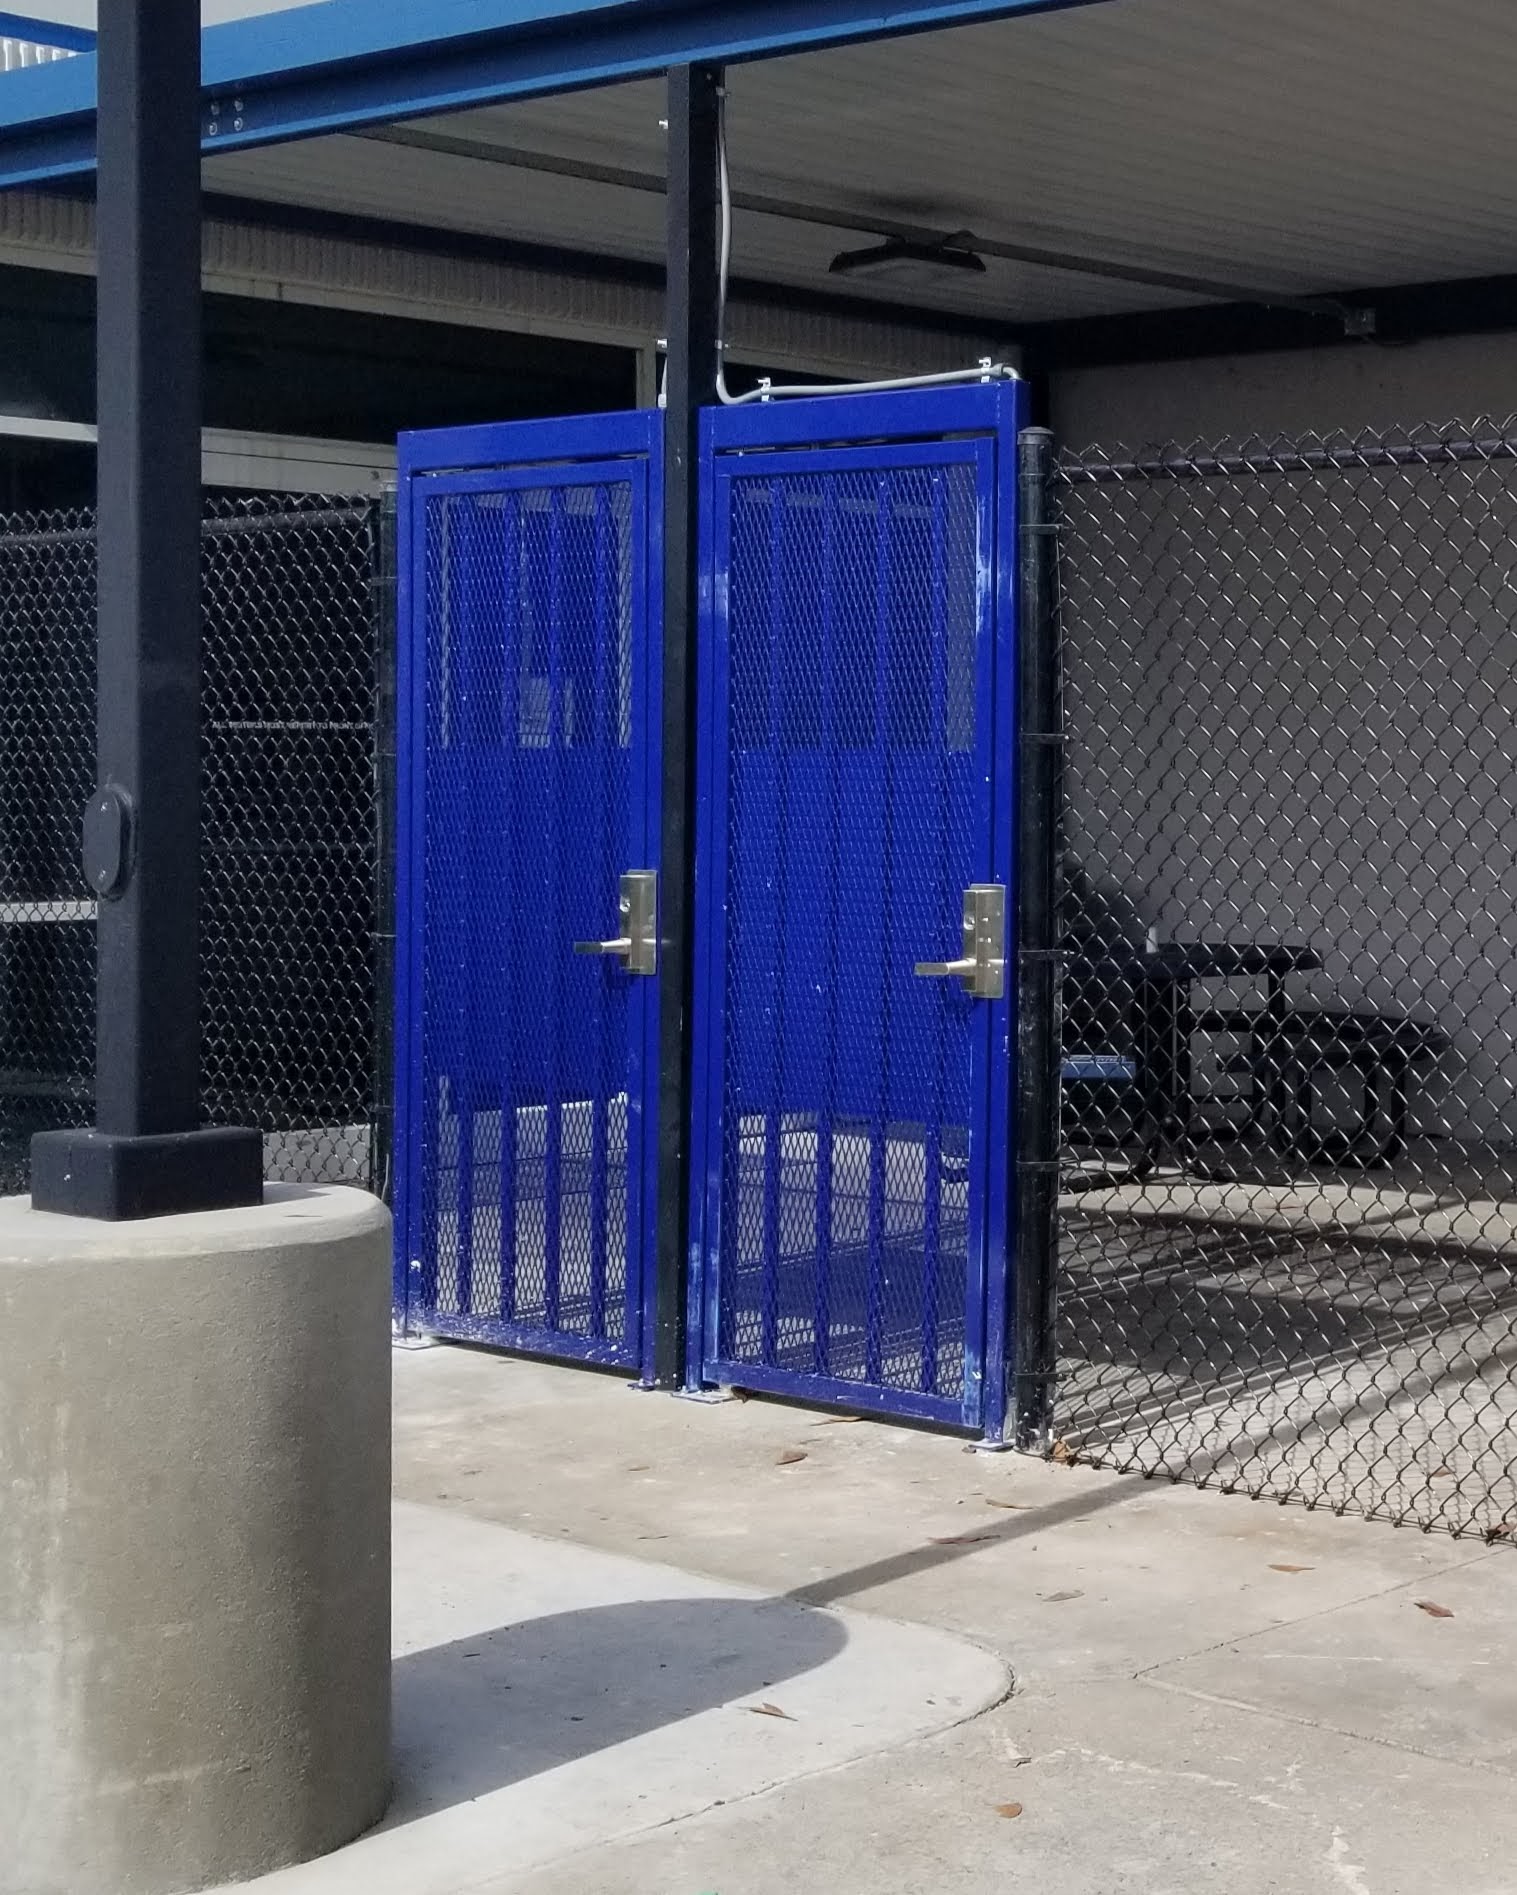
(1290, 1024)
(289, 820)
(853, 825)
(527, 1190)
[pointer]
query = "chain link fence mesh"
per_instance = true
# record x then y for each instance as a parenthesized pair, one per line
(47, 749)
(1289, 1191)
(291, 947)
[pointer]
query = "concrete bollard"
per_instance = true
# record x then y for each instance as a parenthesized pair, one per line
(194, 1542)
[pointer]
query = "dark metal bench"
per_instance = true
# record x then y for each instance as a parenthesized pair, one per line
(1289, 1052)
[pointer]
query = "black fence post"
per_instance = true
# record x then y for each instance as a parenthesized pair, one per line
(382, 1122)
(689, 385)
(1040, 748)
(142, 839)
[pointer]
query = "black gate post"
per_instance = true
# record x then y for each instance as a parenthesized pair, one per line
(1040, 749)
(145, 1156)
(384, 529)
(689, 385)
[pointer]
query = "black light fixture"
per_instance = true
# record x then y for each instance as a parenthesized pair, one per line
(902, 257)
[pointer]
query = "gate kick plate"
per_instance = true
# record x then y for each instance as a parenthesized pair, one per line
(983, 965)
(637, 915)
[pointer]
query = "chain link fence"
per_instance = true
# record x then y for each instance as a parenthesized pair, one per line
(292, 950)
(1289, 1185)
(1289, 1181)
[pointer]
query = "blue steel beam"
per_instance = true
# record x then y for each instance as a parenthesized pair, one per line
(343, 64)
(71, 39)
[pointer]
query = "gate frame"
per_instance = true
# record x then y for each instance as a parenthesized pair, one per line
(513, 447)
(995, 410)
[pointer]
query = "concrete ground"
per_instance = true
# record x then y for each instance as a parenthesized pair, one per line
(737, 1649)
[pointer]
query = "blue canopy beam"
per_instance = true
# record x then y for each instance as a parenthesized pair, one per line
(68, 39)
(348, 63)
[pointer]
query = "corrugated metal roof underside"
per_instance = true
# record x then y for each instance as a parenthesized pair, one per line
(85, 13)
(45, 229)
(18, 53)
(1292, 147)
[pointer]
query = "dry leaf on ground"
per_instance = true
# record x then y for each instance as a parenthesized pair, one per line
(1008, 1809)
(790, 1457)
(1063, 1453)
(1434, 1610)
(961, 1539)
(1016, 1506)
(769, 1710)
(1281, 1567)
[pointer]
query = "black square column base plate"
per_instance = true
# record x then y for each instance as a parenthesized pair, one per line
(103, 1175)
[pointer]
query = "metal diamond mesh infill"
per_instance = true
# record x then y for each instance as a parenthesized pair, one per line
(291, 591)
(1289, 1189)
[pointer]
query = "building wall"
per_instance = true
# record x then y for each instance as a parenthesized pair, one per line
(1324, 391)
(1292, 697)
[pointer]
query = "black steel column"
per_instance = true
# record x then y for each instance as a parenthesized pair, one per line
(1040, 746)
(689, 385)
(142, 827)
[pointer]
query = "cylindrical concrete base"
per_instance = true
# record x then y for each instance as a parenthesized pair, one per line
(194, 1542)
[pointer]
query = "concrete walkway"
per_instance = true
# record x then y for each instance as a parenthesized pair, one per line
(548, 1697)
(1212, 1695)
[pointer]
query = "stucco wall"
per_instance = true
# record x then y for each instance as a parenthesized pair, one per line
(1366, 385)
(1293, 697)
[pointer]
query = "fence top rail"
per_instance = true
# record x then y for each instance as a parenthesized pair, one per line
(287, 519)
(79, 529)
(37, 538)
(1080, 469)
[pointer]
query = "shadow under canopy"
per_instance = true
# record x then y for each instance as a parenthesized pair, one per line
(516, 1700)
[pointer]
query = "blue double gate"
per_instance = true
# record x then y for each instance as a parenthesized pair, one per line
(853, 1018)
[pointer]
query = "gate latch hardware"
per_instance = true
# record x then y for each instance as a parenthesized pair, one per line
(983, 965)
(637, 916)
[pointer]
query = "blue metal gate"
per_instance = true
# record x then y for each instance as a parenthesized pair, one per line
(527, 728)
(857, 803)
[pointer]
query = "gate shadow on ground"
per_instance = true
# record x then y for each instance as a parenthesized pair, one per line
(488, 1711)
(952, 1548)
